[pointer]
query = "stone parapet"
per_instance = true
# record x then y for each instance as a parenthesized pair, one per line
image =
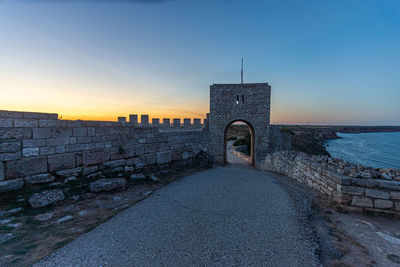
(358, 192)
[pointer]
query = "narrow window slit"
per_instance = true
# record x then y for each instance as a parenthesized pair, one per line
(242, 99)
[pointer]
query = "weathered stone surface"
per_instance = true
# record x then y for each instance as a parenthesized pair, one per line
(362, 202)
(376, 193)
(185, 155)
(163, 157)
(10, 147)
(137, 177)
(70, 179)
(5, 122)
(39, 178)
(25, 167)
(395, 195)
(391, 185)
(139, 150)
(89, 170)
(10, 212)
(139, 165)
(154, 178)
(364, 182)
(96, 157)
(397, 207)
(15, 133)
(61, 161)
(30, 152)
(69, 172)
(44, 216)
(5, 237)
(26, 123)
(115, 163)
(107, 184)
(383, 204)
(38, 133)
(10, 185)
(352, 190)
(1, 171)
(46, 198)
(65, 218)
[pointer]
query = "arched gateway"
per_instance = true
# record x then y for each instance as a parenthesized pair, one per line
(248, 102)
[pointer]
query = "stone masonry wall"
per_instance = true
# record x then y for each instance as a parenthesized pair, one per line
(36, 145)
(350, 186)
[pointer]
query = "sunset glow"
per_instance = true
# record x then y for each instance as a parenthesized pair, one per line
(97, 61)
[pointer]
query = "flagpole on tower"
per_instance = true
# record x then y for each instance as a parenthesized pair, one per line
(241, 73)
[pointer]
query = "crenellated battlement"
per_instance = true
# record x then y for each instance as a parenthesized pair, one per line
(39, 119)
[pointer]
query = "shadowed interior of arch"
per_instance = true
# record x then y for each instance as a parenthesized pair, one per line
(239, 136)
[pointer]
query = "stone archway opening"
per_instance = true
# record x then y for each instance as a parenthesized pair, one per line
(239, 135)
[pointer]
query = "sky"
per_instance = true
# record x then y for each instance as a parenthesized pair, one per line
(328, 62)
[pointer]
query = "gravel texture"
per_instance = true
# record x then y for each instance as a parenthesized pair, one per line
(225, 216)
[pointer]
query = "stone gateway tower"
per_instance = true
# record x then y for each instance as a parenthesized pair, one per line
(249, 103)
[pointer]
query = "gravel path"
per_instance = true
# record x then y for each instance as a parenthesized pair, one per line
(225, 216)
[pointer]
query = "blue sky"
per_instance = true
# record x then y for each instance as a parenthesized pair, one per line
(328, 62)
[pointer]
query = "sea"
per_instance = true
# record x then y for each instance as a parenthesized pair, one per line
(379, 150)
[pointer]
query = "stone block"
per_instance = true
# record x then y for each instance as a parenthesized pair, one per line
(10, 114)
(163, 157)
(61, 161)
(10, 147)
(383, 204)
(96, 157)
(40, 178)
(133, 118)
(115, 163)
(91, 131)
(33, 143)
(47, 150)
(149, 159)
(35, 115)
(61, 132)
(10, 185)
(30, 152)
(81, 131)
(376, 193)
(5, 122)
(139, 165)
(166, 122)
(186, 121)
(107, 184)
(155, 122)
(25, 167)
(395, 195)
(197, 122)
(121, 119)
(10, 156)
(144, 119)
(57, 141)
(29, 123)
(1, 171)
(46, 198)
(69, 172)
(397, 206)
(89, 170)
(364, 182)
(41, 133)
(15, 133)
(391, 185)
(60, 149)
(177, 122)
(352, 190)
(74, 147)
(48, 123)
(362, 202)
(139, 150)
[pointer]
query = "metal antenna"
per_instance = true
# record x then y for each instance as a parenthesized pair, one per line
(242, 71)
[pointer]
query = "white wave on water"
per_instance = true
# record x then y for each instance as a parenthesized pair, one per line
(380, 150)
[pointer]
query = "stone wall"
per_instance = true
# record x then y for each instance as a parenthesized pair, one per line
(34, 147)
(350, 186)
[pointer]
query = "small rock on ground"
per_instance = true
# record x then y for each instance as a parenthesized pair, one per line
(44, 216)
(45, 198)
(107, 184)
(137, 177)
(65, 218)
